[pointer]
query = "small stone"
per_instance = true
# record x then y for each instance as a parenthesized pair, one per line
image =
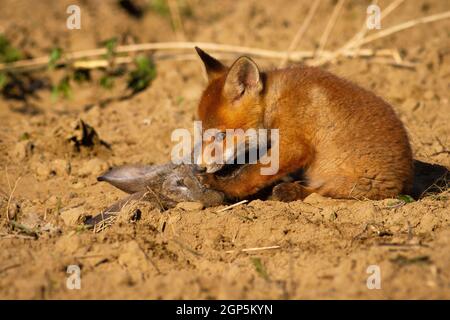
(330, 214)
(43, 170)
(190, 206)
(314, 198)
(73, 216)
(428, 223)
(13, 210)
(61, 167)
(79, 185)
(366, 210)
(23, 149)
(428, 95)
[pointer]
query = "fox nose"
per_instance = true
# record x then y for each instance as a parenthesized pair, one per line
(199, 169)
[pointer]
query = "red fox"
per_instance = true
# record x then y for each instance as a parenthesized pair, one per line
(348, 141)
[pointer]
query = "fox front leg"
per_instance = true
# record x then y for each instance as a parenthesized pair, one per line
(247, 182)
(250, 179)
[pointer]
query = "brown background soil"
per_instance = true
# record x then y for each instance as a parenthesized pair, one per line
(326, 245)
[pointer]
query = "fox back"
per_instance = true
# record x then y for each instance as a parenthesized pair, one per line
(348, 141)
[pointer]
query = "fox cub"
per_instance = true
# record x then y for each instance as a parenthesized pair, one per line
(348, 142)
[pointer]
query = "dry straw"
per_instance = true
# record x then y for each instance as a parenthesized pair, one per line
(352, 49)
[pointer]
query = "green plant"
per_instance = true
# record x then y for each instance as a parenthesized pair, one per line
(160, 7)
(62, 89)
(55, 55)
(107, 81)
(110, 46)
(144, 73)
(7, 52)
(259, 267)
(24, 136)
(3, 80)
(405, 198)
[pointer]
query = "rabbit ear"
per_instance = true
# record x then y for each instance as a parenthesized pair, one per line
(135, 178)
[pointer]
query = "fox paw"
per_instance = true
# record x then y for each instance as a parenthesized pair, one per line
(288, 191)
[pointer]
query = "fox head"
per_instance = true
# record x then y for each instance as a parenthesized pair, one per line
(233, 99)
(233, 96)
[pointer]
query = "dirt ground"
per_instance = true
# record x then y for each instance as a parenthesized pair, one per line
(324, 246)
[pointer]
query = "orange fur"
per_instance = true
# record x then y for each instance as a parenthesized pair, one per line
(349, 142)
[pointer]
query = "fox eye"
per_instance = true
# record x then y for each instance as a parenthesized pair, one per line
(221, 135)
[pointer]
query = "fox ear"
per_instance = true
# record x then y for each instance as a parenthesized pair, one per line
(244, 76)
(214, 67)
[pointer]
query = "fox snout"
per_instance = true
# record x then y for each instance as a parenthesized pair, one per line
(211, 158)
(218, 152)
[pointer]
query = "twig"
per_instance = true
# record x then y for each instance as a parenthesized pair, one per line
(404, 26)
(10, 197)
(330, 25)
(153, 46)
(255, 249)
(232, 206)
(176, 19)
(396, 63)
(102, 63)
(41, 62)
(301, 32)
(354, 42)
(319, 57)
(158, 56)
(93, 64)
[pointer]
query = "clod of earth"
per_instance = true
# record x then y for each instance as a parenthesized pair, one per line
(83, 135)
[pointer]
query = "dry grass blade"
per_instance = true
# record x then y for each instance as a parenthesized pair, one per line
(102, 225)
(100, 63)
(354, 42)
(232, 206)
(157, 198)
(301, 32)
(390, 8)
(176, 19)
(10, 197)
(330, 25)
(255, 249)
(404, 26)
(154, 46)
